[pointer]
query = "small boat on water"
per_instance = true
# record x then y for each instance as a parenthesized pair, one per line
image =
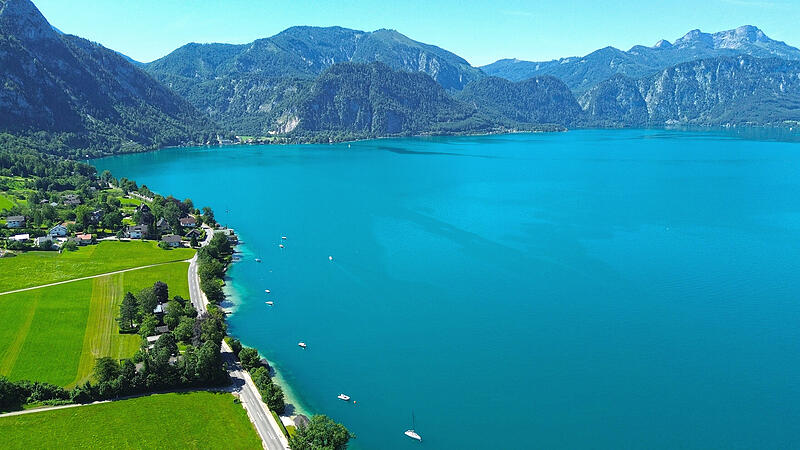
(266, 290)
(280, 245)
(330, 258)
(411, 433)
(258, 259)
(283, 237)
(344, 397)
(302, 344)
(270, 303)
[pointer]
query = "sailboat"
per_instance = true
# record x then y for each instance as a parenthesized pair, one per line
(411, 433)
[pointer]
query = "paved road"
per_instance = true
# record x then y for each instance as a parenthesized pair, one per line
(271, 435)
(93, 276)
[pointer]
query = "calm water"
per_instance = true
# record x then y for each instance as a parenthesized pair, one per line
(591, 289)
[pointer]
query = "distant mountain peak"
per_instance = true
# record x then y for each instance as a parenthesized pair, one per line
(663, 43)
(22, 19)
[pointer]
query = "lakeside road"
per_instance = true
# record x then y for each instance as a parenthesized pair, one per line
(272, 437)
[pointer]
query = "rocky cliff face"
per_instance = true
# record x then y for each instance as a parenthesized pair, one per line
(616, 102)
(716, 91)
(374, 100)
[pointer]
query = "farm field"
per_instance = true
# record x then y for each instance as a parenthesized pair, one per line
(188, 420)
(39, 268)
(55, 333)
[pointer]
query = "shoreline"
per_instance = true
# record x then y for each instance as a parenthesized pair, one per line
(234, 300)
(789, 130)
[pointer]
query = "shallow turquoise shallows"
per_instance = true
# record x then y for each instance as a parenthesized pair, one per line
(591, 289)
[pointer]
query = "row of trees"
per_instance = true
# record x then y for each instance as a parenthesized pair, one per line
(212, 260)
(271, 393)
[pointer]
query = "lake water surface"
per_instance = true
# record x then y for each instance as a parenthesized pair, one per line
(590, 289)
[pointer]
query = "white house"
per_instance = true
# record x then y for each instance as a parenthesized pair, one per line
(41, 240)
(137, 232)
(188, 222)
(15, 221)
(20, 237)
(173, 240)
(58, 231)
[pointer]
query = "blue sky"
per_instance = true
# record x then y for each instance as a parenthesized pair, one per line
(479, 31)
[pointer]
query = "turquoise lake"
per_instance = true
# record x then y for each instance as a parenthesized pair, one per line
(590, 289)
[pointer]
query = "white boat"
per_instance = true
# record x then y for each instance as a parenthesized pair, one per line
(283, 237)
(411, 433)
(344, 397)
(280, 245)
(302, 344)
(258, 259)
(330, 258)
(266, 290)
(270, 303)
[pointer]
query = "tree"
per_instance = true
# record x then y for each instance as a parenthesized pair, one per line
(11, 396)
(168, 343)
(106, 369)
(173, 315)
(212, 289)
(148, 325)
(128, 311)
(193, 241)
(83, 216)
(320, 433)
(208, 216)
(147, 301)
(185, 329)
(249, 358)
(112, 220)
(161, 291)
(273, 397)
(209, 363)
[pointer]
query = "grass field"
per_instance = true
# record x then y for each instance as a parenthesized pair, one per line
(54, 334)
(5, 203)
(38, 268)
(130, 201)
(192, 420)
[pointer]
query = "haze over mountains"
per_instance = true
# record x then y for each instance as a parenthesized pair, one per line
(583, 73)
(326, 84)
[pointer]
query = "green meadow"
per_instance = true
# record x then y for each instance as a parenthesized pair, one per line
(5, 203)
(56, 333)
(187, 420)
(39, 268)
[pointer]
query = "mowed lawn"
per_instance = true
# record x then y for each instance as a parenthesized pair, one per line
(56, 333)
(190, 420)
(5, 203)
(38, 268)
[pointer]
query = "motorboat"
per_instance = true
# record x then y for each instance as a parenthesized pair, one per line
(270, 303)
(302, 344)
(344, 397)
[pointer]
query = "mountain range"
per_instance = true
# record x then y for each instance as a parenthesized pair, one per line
(328, 84)
(79, 95)
(583, 73)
